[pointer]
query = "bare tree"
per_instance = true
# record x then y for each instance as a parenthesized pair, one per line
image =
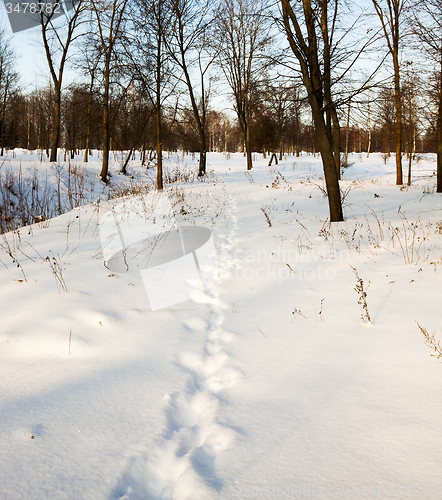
(88, 62)
(391, 14)
(57, 41)
(243, 38)
(188, 46)
(8, 80)
(305, 46)
(427, 26)
(150, 62)
(110, 17)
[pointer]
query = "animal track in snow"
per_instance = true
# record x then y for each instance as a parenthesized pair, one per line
(182, 465)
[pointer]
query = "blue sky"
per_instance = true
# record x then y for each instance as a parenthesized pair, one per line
(31, 59)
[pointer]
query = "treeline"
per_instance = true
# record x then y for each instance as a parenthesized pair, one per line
(317, 75)
(28, 124)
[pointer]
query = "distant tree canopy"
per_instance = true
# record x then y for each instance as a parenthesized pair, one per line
(233, 76)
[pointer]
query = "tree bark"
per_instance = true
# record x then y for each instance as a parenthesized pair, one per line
(307, 53)
(248, 149)
(200, 119)
(106, 135)
(328, 161)
(336, 141)
(56, 124)
(158, 116)
(390, 20)
(88, 126)
(439, 136)
(346, 133)
(369, 126)
(398, 104)
(246, 112)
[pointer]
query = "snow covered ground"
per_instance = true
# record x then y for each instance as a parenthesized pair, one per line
(281, 381)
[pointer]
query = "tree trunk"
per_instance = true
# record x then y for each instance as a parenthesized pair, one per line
(202, 164)
(3, 124)
(88, 126)
(159, 150)
(248, 149)
(439, 140)
(328, 161)
(106, 135)
(247, 134)
(398, 103)
(346, 133)
(200, 118)
(369, 126)
(126, 162)
(56, 125)
(158, 116)
(308, 57)
(336, 141)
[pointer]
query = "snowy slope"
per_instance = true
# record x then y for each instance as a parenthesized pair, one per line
(272, 383)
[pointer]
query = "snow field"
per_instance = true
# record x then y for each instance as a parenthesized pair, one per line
(270, 382)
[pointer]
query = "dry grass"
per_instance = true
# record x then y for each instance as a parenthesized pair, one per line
(431, 342)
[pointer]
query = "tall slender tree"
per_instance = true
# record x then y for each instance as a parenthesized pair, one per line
(188, 46)
(109, 17)
(8, 80)
(391, 14)
(150, 62)
(426, 22)
(57, 39)
(243, 37)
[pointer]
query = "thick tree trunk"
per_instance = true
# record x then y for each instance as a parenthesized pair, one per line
(328, 161)
(308, 57)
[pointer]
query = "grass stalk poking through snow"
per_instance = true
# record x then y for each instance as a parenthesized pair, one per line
(360, 290)
(57, 270)
(431, 342)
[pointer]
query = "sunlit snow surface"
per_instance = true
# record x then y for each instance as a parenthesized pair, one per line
(269, 383)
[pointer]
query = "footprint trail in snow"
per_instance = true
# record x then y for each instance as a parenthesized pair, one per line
(182, 464)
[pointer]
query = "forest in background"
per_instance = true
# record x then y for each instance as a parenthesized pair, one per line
(321, 76)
